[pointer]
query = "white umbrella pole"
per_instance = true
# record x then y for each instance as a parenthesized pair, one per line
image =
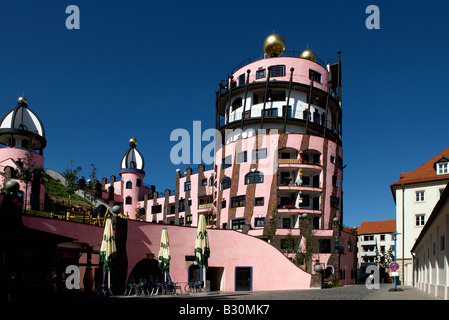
(204, 278)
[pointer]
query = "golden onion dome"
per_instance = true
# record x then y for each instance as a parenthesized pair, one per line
(23, 99)
(132, 142)
(309, 55)
(274, 45)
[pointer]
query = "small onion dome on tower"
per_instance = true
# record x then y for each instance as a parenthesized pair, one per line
(20, 126)
(132, 159)
(274, 45)
(308, 54)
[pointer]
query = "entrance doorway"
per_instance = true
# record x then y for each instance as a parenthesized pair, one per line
(243, 278)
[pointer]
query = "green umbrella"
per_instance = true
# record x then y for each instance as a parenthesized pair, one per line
(202, 250)
(163, 259)
(108, 250)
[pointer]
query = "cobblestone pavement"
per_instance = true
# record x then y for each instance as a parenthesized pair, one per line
(349, 292)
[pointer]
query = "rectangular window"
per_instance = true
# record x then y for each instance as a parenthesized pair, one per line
(382, 237)
(286, 223)
(223, 204)
(181, 205)
(242, 80)
(259, 201)
(204, 182)
(259, 222)
(260, 74)
(187, 186)
(419, 196)
(226, 162)
(442, 168)
(277, 71)
(270, 113)
(260, 154)
(237, 224)
(241, 157)
(156, 209)
(238, 201)
(315, 76)
(129, 200)
(419, 220)
(442, 242)
(189, 219)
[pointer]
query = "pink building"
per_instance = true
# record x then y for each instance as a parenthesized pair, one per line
(23, 135)
(272, 198)
(278, 172)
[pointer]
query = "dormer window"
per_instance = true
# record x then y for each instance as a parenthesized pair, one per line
(442, 166)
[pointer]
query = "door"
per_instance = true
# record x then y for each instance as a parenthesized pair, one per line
(243, 278)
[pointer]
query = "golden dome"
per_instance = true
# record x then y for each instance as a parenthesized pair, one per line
(23, 99)
(132, 141)
(309, 55)
(274, 45)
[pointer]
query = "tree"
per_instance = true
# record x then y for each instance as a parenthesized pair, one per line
(71, 176)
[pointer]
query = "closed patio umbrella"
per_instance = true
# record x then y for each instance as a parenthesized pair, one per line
(108, 250)
(163, 259)
(202, 250)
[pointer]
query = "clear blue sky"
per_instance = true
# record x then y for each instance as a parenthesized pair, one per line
(144, 68)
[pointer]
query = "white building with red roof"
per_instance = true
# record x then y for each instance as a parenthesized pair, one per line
(416, 193)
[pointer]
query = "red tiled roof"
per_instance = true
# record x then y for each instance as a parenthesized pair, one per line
(425, 172)
(369, 227)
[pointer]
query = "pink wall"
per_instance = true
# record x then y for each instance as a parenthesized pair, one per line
(229, 249)
(300, 74)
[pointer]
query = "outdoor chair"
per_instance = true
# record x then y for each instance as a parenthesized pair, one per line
(130, 287)
(155, 288)
(143, 287)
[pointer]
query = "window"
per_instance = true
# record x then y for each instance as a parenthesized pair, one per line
(419, 196)
(260, 153)
(211, 180)
(225, 183)
(129, 185)
(334, 181)
(442, 168)
(238, 201)
(286, 223)
(223, 204)
(226, 162)
(368, 238)
(442, 242)
(187, 186)
(128, 200)
(237, 224)
(419, 220)
(277, 71)
(241, 157)
(181, 205)
(382, 237)
(270, 113)
(259, 201)
(242, 79)
(315, 76)
(260, 74)
(156, 209)
(259, 222)
(335, 202)
(254, 177)
(139, 182)
(204, 182)
(189, 219)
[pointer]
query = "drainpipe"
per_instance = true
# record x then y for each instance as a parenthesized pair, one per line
(265, 98)
(308, 107)
(403, 234)
(246, 96)
(288, 98)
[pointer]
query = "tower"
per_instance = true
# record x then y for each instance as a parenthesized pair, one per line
(23, 136)
(279, 170)
(132, 174)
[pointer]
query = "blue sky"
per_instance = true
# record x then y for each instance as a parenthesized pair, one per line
(144, 68)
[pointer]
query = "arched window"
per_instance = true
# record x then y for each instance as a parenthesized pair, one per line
(225, 183)
(129, 185)
(254, 177)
